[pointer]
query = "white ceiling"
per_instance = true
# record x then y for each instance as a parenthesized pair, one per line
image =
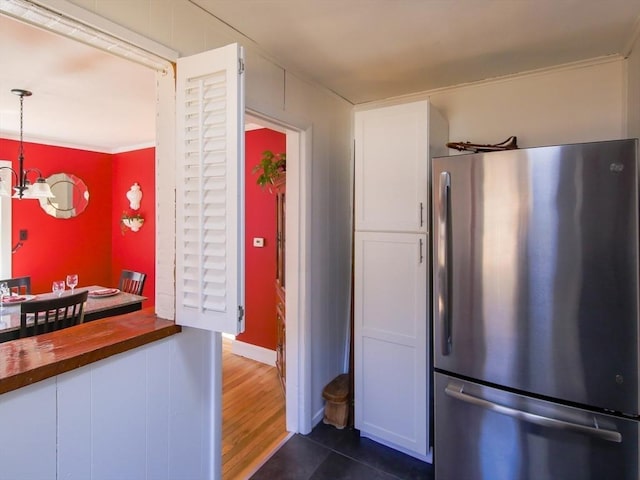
(364, 50)
(82, 96)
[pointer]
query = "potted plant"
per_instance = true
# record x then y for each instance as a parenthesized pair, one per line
(271, 167)
(132, 221)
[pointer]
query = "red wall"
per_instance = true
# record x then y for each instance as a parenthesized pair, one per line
(135, 250)
(84, 244)
(56, 247)
(93, 245)
(260, 271)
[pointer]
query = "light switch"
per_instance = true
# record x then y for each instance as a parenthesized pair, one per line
(258, 242)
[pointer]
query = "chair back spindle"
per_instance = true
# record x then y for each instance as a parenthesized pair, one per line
(132, 282)
(43, 316)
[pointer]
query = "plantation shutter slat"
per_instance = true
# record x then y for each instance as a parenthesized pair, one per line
(210, 190)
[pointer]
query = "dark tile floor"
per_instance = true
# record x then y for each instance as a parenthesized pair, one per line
(328, 453)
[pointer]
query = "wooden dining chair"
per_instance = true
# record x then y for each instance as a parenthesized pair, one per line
(19, 285)
(43, 316)
(132, 282)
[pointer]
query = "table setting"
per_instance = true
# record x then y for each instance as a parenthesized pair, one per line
(104, 292)
(16, 299)
(101, 302)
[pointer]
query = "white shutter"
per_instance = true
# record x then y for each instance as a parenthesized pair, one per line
(210, 190)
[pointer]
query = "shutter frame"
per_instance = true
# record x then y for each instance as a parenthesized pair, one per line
(210, 190)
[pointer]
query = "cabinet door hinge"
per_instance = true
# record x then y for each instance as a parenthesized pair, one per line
(240, 313)
(241, 66)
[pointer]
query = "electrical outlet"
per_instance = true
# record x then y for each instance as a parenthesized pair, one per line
(23, 235)
(258, 242)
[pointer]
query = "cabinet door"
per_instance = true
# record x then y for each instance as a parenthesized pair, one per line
(391, 339)
(281, 333)
(392, 168)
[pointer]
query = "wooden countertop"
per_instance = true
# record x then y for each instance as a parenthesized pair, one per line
(29, 360)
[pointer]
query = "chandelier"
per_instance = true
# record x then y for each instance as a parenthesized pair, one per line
(25, 189)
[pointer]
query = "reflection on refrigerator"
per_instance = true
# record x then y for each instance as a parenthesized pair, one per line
(535, 288)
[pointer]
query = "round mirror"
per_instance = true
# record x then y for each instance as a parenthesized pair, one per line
(71, 196)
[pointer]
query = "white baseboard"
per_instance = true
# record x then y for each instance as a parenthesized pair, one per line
(317, 418)
(254, 352)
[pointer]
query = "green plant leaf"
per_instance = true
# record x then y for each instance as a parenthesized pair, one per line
(270, 168)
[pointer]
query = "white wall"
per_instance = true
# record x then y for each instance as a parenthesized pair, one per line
(574, 104)
(577, 103)
(633, 87)
(140, 414)
(324, 117)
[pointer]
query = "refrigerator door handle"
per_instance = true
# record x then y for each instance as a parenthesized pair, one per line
(609, 435)
(443, 300)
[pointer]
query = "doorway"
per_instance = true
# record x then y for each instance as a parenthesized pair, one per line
(253, 395)
(298, 418)
(298, 411)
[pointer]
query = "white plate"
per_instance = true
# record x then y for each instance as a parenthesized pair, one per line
(24, 298)
(108, 292)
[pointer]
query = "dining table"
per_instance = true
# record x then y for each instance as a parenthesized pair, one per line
(101, 302)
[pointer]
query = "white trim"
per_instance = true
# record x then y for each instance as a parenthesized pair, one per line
(297, 233)
(255, 121)
(302, 237)
(84, 26)
(296, 320)
(254, 352)
(131, 148)
(77, 146)
(317, 418)
(165, 257)
(6, 266)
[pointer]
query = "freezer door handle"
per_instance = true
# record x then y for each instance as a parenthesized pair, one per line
(443, 299)
(609, 435)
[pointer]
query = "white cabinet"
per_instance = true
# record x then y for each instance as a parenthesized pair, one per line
(392, 162)
(393, 151)
(391, 339)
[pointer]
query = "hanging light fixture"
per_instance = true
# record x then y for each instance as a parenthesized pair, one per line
(24, 189)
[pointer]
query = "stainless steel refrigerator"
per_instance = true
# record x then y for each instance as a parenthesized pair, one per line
(535, 326)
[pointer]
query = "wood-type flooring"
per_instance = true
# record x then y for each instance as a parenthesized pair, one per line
(253, 414)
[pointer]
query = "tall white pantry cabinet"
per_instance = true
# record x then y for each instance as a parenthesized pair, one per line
(393, 150)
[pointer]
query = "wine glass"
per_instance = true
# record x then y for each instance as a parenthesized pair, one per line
(72, 281)
(58, 287)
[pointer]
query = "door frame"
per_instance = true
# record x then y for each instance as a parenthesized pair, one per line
(299, 147)
(6, 247)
